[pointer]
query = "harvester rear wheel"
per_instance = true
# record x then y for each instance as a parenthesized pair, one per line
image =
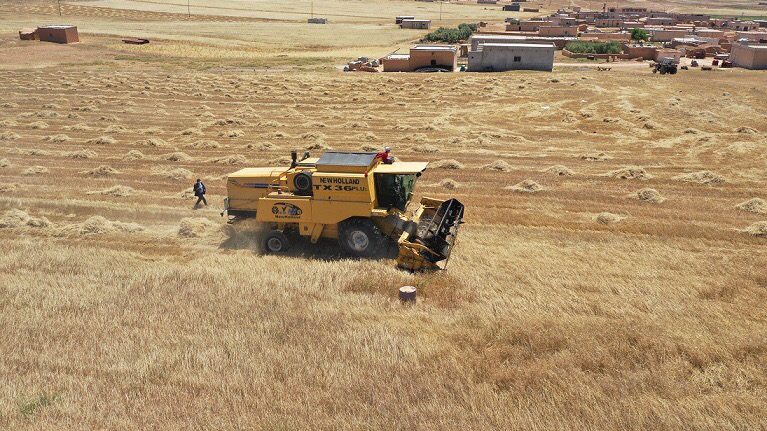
(360, 237)
(276, 242)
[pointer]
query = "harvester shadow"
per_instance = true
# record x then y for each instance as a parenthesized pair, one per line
(324, 249)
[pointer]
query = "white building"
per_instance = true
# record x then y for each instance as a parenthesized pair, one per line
(496, 57)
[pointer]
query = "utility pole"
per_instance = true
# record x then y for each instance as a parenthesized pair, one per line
(312, 9)
(440, 10)
(188, 9)
(59, 1)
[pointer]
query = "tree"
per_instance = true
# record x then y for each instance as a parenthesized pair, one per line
(451, 35)
(581, 47)
(639, 34)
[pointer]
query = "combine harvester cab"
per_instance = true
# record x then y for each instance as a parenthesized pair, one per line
(354, 198)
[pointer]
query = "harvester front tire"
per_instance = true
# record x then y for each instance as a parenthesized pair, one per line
(360, 237)
(276, 242)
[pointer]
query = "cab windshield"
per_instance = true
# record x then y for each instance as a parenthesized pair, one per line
(394, 190)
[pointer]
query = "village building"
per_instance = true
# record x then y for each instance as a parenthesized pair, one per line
(720, 23)
(608, 22)
(666, 35)
(587, 15)
(419, 24)
(648, 52)
(422, 56)
(528, 25)
(665, 21)
(555, 30)
(496, 57)
(28, 34)
(744, 26)
(479, 38)
(691, 17)
(637, 10)
(58, 34)
(602, 37)
(563, 20)
(317, 20)
(398, 20)
(644, 52)
(709, 33)
(692, 41)
(749, 55)
(514, 7)
(628, 25)
(669, 54)
(754, 36)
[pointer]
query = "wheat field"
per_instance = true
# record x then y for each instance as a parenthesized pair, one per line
(610, 275)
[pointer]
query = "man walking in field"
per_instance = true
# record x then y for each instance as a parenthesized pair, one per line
(199, 191)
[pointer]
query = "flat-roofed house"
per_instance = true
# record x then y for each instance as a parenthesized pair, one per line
(479, 38)
(667, 35)
(444, 56)
(422, 56)
(661, 21)
(528, 25)
(670, 54)
(755, 36)
(744, 26)
(58, 34)
(709, 33)
(419, 24)
(497, 57)
(608, 22)
(558, 30)
(749, 55)
(396, 63)
(28, 34)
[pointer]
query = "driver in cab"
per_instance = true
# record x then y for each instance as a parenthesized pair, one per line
(385, 156)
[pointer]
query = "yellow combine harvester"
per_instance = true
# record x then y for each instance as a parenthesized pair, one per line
(352, 197)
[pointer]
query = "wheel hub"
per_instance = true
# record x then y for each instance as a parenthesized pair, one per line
(358, 241)
(274, 244)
